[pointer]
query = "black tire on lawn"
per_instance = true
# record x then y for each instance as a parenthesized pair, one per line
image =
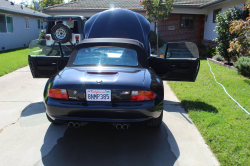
(156, 122)
(51, 120)
(64, 28)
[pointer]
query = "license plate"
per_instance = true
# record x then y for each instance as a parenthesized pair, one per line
(98, 95)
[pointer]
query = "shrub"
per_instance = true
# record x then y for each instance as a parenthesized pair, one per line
(40, 40)
(153, 40)
(222, 29)
(209, 52)
(241, 44)
(201, 46)
(243, 65)
(41, 33)
(218, 58)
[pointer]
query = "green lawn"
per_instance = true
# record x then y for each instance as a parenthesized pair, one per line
(224, 126)
(11, 60)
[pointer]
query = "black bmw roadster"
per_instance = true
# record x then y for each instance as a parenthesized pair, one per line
(111, 75)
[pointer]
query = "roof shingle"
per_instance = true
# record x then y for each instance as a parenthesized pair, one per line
(126, 4)
(6, 5)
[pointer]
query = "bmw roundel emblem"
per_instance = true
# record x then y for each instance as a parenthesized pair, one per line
(99, 81)
(75, 92)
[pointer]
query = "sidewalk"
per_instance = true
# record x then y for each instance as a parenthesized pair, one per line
(185, 140)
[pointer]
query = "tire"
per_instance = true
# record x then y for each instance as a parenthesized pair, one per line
(61, 33)
(156, 122)
(52, 121)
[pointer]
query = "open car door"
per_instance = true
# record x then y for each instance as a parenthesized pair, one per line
(46, 60)
(176, 62)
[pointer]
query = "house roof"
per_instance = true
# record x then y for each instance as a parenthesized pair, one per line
(126, 4)
(192, 2)
(6, 5)
(98, 4)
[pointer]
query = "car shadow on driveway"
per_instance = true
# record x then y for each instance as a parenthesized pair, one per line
(102, 144)
(33, 114)
(33, 108)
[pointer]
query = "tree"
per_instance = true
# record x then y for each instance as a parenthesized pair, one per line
(222, 29)
(25, 3)
(241, 44)
(46, 3)
(157, 11)
(42, 3)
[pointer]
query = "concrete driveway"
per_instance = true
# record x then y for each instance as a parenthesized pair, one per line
(27, 138)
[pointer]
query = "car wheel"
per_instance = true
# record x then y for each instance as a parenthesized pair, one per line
(156, 122)
(61, 33)
(51, 120)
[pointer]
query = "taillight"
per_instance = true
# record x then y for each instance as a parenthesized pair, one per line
(58, 94)
(47, 37)
(142, 95)
(70, 19)
(77, 37)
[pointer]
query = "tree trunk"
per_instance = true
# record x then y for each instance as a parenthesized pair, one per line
(155, 28)
(157, 35)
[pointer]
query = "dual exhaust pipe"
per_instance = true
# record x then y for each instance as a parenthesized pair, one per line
(76, 124)
(120, 126)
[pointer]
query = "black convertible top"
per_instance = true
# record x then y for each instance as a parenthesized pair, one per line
(118, 23)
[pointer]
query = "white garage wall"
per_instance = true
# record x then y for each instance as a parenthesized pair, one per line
(209, 33)
(20, 36)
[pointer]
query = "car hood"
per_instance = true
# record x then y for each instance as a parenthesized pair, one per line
(83, 78)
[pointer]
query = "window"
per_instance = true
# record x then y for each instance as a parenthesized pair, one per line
(2, 23)
(40, 23)
(217, 11)
(27, 22)
(161, 52)
(70, 24)
(106, 56)
(182, 50)
(6, 23)
(187, 21)
(9, 24)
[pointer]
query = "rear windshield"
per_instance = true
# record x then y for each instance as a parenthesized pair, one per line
(106, 56)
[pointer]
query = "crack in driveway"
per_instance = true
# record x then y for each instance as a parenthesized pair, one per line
(30, 105)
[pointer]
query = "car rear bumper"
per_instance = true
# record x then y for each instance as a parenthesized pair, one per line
(102, 111)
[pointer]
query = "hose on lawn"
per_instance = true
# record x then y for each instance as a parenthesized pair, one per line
(226, 90)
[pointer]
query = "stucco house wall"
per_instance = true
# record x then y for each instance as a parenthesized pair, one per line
(21, 36)
(209, 33)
